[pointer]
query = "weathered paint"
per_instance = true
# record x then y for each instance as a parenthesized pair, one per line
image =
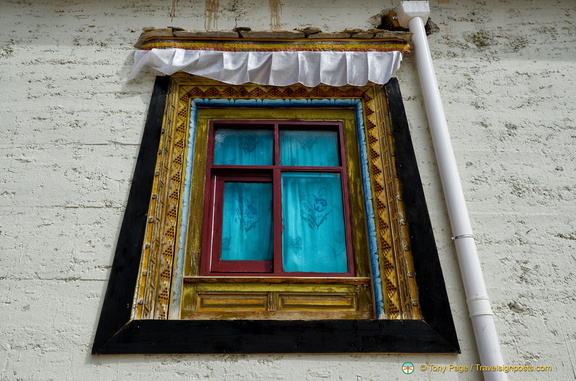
(211, 15)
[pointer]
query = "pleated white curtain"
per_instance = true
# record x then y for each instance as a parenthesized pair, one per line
(277, 68)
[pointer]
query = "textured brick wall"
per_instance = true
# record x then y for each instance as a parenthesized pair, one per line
(70, 128)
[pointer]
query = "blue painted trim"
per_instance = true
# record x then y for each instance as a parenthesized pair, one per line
(218, 102)
(179, 268)
(370, 220)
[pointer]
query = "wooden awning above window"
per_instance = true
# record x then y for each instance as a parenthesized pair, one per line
(273, 61)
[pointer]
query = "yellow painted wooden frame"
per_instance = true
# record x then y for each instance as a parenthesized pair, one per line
(266, 297)
(156, 285)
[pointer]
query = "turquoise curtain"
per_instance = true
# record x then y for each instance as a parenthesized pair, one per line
(313, 237)
(309, 148)
(247, 233)
(243, 147)
(313, 232)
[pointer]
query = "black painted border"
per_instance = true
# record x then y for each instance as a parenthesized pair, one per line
(117, 334)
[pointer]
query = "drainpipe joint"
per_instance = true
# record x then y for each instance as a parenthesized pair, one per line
(407, 10)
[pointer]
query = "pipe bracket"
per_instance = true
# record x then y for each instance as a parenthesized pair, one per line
(462, 236)
(479, 306)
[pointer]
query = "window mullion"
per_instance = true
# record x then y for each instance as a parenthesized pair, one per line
(346, 201)
(277, 204)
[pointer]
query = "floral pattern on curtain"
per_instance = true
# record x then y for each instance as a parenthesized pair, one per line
(313, 239)
(313, 234)
(247, 222)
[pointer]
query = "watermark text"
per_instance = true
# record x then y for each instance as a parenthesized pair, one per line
(445, 368)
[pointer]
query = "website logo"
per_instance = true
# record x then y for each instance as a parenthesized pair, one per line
(407, 368)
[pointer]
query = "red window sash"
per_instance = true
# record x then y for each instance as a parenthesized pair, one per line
(216, 175)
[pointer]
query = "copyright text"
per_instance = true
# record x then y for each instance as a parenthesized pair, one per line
(482, 368)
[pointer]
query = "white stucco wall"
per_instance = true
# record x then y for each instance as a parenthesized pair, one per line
(70, 128)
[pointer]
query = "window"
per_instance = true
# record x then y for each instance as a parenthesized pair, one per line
(294, 277)
(277, 195)
(179, 284)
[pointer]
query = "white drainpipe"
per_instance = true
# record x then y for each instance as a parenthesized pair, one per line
(414, 14)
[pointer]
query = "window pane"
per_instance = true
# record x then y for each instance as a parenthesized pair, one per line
(309, 148)
(247, 222)
(243, 147)
(313, 239)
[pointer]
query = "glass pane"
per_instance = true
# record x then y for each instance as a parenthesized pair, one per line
(247, 222)
(309, 148)
(243, 147)
(313, 239)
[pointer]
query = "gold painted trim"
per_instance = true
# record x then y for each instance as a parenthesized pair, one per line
(157, 264)
(262, 45)
(370, 40)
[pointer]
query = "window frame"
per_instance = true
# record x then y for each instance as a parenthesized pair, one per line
(117, 332)
(210, 264)
(218, 174)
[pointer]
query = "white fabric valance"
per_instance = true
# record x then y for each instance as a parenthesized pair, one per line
(275, 68)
